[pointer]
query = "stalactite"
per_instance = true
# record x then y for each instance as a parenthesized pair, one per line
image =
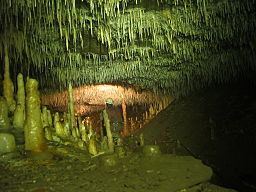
(183, 34)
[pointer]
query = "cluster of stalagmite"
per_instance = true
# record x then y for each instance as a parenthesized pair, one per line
(134, 123)
(22, 115)
(70, 129)
(37, 123)
(8, 105)
(26, 115)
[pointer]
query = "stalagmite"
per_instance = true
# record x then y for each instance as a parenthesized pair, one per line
(78, 134)
(19, 113)
(48, 133)
(104, 144)
(49, 117)
(71, 112)
(108, 130)
(4, 120)
(60, 132)
(82, 129)
(34, 133)
(74, 132)
(84, 135)
(92, 146)
(8, 88)
(80, 123)
(125, 129)
(66, 125)
(7, 143)
(44, 116)
(141, 139)
(56, 119)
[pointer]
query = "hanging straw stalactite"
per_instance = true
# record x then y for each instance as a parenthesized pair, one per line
(130, 41)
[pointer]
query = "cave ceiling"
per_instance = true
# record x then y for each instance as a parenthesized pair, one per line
(175, 45)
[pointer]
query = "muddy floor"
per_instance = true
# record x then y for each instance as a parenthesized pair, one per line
(67, 169)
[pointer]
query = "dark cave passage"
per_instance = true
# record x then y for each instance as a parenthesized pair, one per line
(215, 125)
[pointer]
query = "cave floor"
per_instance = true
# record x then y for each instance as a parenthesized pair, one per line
(64, 168)
(67, 169)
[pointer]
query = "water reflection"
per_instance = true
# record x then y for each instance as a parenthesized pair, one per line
(137, 107)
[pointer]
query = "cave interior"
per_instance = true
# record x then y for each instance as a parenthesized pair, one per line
(180, 72)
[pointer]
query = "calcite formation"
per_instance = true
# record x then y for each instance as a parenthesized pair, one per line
(19, 113)
(34, 133)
